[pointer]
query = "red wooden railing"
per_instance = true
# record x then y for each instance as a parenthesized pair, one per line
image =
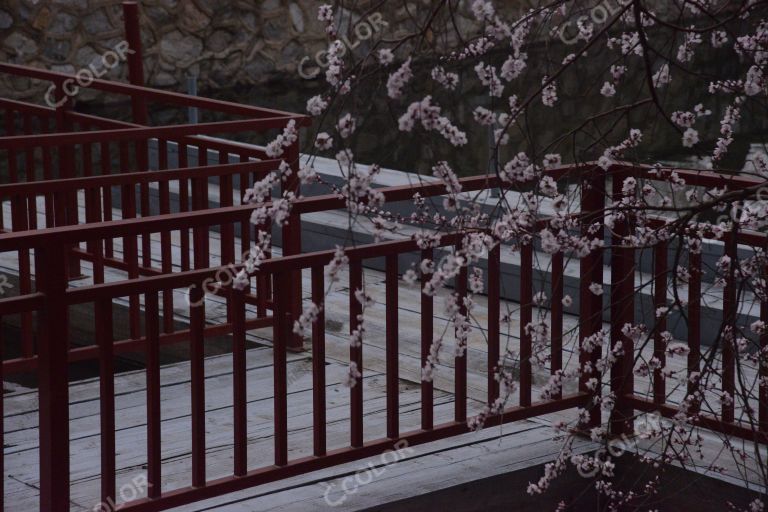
(52, 296)
(57, 166)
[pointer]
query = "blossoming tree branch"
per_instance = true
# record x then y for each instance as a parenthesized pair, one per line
(507, 97)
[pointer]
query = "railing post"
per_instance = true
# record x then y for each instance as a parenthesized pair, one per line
(65, 204)
(51, 265)
(139, 111)
(135, 62)
(292, 245)
(591, 271)
(622, 312)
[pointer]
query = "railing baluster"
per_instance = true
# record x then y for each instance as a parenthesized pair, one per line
(281, 326)
(106, 168)
(694, 319)
(154, 454)
(227, 230)
(245, 229)
(130, 243)
(2, 421)
(263, 282)
(392, 334)
(622, 313)
(197, 377)
(494, 321)
(762, 365)
(556, 318)
(729, 323)
(184, 206)
(239, 381)
(526, 317)
(660, 301)
(50, 207)
(19, 222)
(225, 199)
(29, 160)
(166, 249)
(460, 361)
(356, 354)
(141, 150)
(591, 271)
(245, 237)
(427, 332)
(98, 254)
(200, 202)
(291, 233)
(318, 364)
(104, 338)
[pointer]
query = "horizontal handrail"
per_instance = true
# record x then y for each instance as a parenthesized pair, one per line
(19, 142)
(134, 226)
(270, 266)
(217, 144)
(36, 188)
(148, 93)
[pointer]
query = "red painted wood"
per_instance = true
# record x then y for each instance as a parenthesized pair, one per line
(727, 342)
(556, 317)
(494, 321)
(318, 364)
(763, 371)
(154, 415)
(104, 339)
(660, 300)
(292, 239)
(53, 384)
(392, 353)
(694, 319)
(591, 271)
(197, 378)
(526, 317)
(460, 361)
(356, 354)
(339, 456)
(282, 326)
(427, 333)
(239, 382)
(622, 311)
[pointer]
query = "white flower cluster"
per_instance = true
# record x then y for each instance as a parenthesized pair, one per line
(399, 79)
(306, 319)
(430, 118)
(690, 41)
(449, 80)
(549, 93)
(514, 66)
(352, 376)
(289, 136)
(488, 77)
(346, 125)
(316, 105)
(520, 169)
(612, 153)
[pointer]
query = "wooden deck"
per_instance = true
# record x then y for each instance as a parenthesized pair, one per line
(425, 468)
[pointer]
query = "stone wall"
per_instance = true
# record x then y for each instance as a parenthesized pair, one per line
(224, 42)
